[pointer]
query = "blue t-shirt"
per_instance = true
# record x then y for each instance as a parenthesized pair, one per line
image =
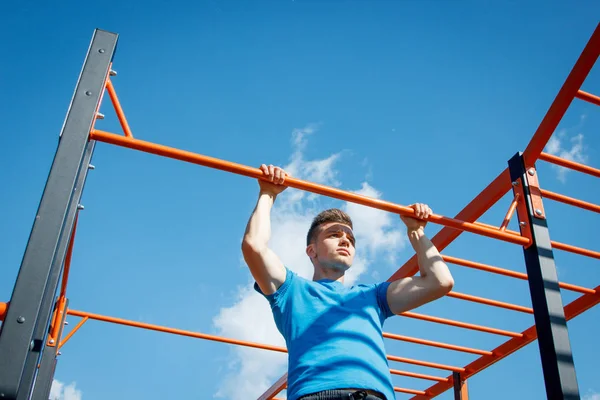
(333, 335)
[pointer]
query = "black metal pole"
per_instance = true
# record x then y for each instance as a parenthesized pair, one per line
(460, 389)
(553, 337)
(33, 294)
(43, 380)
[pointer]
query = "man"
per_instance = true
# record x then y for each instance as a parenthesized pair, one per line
(334, 333)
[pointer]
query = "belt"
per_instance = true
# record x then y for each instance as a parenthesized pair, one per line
(344, 394)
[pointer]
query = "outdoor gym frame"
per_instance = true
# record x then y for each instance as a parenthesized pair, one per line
(31, 333)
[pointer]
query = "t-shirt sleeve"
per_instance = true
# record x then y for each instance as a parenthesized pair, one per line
(384, 307)
(279, 297)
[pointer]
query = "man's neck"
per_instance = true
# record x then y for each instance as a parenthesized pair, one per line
(328, 273)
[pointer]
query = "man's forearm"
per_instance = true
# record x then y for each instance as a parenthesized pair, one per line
(258, 231)
(431, 264)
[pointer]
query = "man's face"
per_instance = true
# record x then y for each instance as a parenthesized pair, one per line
(334, 246)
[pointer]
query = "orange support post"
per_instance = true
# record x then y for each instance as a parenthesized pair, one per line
(118, 109)
(511, 211)
(70, 334)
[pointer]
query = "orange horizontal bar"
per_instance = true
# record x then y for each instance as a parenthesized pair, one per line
(570, 164)
(570, 200)
(119, 110)
(588, 97)
(3, 310)
(436, 344)
(575, 249)
(425, 363)
(174, 331)
(490, 302)
(512, 274)
(418, 376)
(240, 169)
(409, 391)
(459, 324)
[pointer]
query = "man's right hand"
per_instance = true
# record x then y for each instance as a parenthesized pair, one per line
(275, 178)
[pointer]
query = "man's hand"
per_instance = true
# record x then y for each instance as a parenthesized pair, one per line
(422, 212)
(275, 179)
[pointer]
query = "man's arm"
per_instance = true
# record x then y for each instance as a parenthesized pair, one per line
(435, 279)
(266, 268)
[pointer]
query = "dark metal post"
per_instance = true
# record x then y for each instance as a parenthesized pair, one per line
(460, 387)
(47, 365)
(34, 291)
(550, 322)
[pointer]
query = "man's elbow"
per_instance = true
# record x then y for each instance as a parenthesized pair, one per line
(250, 246)
(445, 285)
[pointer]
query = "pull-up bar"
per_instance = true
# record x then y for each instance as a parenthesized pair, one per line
(240, 169)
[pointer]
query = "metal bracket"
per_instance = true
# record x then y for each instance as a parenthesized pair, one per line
(535, 193)
(522, 210)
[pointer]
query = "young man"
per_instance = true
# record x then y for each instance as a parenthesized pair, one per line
(334, 333)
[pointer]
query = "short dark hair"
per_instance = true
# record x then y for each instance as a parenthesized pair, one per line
(331, 215)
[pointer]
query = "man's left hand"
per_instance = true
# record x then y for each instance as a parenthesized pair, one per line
(418, 222)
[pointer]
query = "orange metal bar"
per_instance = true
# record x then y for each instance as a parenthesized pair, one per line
(475, 209)
(435, 344)
(118, 108)
(53, 338)
(588, 97)
(574, 249)
(563, 99)
(509, 214)
(490, 302)
(425, 363)
(459, 324)
(570, 164)
(570, 200)
(174, 331)
(216, 163)
(3, 310)
(409, 391)
(75, 329)
(573, 309)
(512, 274)
(67, 268)
(418, 376)
(275, 388)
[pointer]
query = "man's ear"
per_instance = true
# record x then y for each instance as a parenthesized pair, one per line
(311, 252)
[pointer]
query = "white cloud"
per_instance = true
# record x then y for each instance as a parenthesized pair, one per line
(253, 371)
(591, 396)
(59, 391)
(572, 149)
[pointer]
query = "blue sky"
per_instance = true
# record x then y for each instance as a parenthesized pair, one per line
(407, 101)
